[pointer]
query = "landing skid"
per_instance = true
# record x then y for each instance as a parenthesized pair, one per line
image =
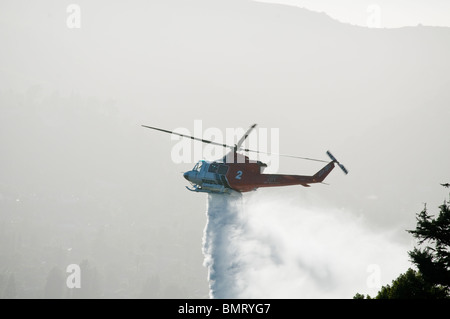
(198, 189)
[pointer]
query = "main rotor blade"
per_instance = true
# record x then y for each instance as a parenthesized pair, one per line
(188, 136)
(239, 143)
(237, 146)
(284, 155)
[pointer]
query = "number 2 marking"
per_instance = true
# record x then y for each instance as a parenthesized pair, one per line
(239, 174)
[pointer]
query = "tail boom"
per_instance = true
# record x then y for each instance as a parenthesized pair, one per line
(271, 180)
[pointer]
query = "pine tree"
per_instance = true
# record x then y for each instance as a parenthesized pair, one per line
(410, 285)
(432, 280)
(433, 261)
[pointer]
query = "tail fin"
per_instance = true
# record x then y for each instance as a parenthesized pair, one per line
(320, 175)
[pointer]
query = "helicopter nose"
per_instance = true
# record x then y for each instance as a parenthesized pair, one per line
(186, 175)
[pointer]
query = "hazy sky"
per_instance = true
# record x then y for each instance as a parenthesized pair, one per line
(82, 180)
(392, 14)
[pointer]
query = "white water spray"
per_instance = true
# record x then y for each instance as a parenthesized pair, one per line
(259, 246)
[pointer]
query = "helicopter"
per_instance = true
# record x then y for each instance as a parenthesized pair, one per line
(235, 172)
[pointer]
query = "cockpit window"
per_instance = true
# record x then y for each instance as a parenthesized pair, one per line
(223, 169)
(198, 166)
(213, 168)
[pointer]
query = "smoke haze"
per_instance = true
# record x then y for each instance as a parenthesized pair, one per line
(81, 182)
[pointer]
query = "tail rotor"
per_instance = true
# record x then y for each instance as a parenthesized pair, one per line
(337, 162)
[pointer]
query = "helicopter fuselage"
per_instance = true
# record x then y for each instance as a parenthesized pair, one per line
(244, 175)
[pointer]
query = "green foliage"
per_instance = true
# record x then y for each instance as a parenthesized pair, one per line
(361, 296)
(432, 280)
(411, 285)
(433, 261)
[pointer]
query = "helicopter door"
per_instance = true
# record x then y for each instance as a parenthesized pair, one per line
(222, 172)
(224, 181)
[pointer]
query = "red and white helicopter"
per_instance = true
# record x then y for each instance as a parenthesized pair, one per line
(236, 172)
